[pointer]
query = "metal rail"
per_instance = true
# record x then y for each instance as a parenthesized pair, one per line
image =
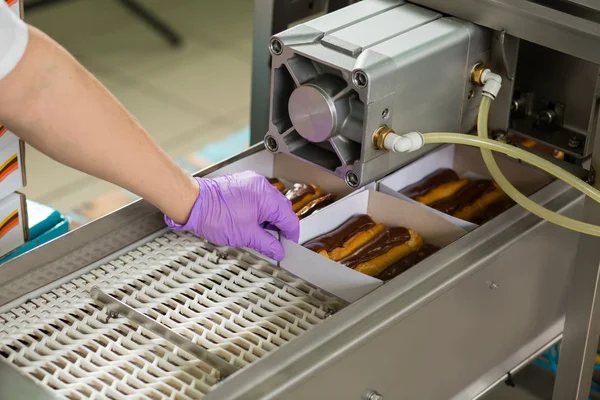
(526, 20)
(115, 307)
(592, 4)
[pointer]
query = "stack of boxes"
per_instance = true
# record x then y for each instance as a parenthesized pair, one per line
(13, 212)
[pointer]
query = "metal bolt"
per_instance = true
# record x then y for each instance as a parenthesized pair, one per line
(471, 94)
(110, 315)
(493, 285)
(275, 46)
(271, 144)
(500, 136)
(373, 395)
(574, 142)
(385, 113)
(352, 179)
(547, 117)
(360, 80)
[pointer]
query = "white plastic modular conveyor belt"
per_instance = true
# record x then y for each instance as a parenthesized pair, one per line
(228, 306)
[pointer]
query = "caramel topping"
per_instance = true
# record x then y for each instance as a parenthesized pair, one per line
(407, 262)
(435, 179)
(315, 205)
(467, 195)
(298, 191)
(340, 235)
(390, 238)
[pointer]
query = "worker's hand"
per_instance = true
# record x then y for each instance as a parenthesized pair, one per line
(232, 209)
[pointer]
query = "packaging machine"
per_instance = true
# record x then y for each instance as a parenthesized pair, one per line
(123, 308)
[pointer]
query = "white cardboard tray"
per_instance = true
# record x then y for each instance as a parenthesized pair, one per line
(344, 282)
(468, 163)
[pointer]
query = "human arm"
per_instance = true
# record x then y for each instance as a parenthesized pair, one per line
(58, 107)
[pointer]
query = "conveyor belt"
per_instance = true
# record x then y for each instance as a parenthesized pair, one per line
(235, 309)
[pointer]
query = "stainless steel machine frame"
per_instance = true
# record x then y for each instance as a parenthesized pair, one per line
(498, 295)
(577, 35)
(449, 311)
(572, 28)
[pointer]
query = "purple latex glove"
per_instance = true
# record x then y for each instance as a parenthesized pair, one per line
(232, 210)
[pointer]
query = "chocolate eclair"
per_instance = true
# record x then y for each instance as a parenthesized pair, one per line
(475, 207)
(301, 194)
(381, 244)
(407, 262)
(316, 205)
(277, 183)
(465, 196)
(388, 248)
(436, 186)
(493, 210)
(485, 208)
(430, 182)
(347, 238)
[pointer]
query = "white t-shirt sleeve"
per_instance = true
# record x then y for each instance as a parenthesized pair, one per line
(13, 39)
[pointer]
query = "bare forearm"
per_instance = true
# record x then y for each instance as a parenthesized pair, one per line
(55, 105)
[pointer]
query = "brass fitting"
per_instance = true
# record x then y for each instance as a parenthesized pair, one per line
(379, 136)
(477, 73)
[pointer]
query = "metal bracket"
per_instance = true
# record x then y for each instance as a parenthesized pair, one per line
(510, 72)
(510, 382)
(117, 307)
(591, 178)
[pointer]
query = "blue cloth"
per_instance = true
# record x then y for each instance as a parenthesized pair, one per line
(41, 218)
(45, 224)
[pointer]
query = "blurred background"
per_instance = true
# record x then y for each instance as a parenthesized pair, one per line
(193, 99)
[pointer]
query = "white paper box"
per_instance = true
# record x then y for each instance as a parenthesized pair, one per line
(12, 163)
(15, 6)
(468, 163)
(345, 282)
(13, 222)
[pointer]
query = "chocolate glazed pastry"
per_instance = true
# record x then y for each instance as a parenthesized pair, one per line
(407, 262)
(477, 207)
(381, 244)
(347, 238)
(464, 197)
(389, 248)
(493, 210)
(302, 194)
(278, 185)
(436, 186)
(316, 205)
(441, 192)
(431, 181)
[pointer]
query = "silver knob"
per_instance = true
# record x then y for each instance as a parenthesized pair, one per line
(313, 113)
(373, 395)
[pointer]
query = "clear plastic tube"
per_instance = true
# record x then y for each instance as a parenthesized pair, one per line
(487, 145)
